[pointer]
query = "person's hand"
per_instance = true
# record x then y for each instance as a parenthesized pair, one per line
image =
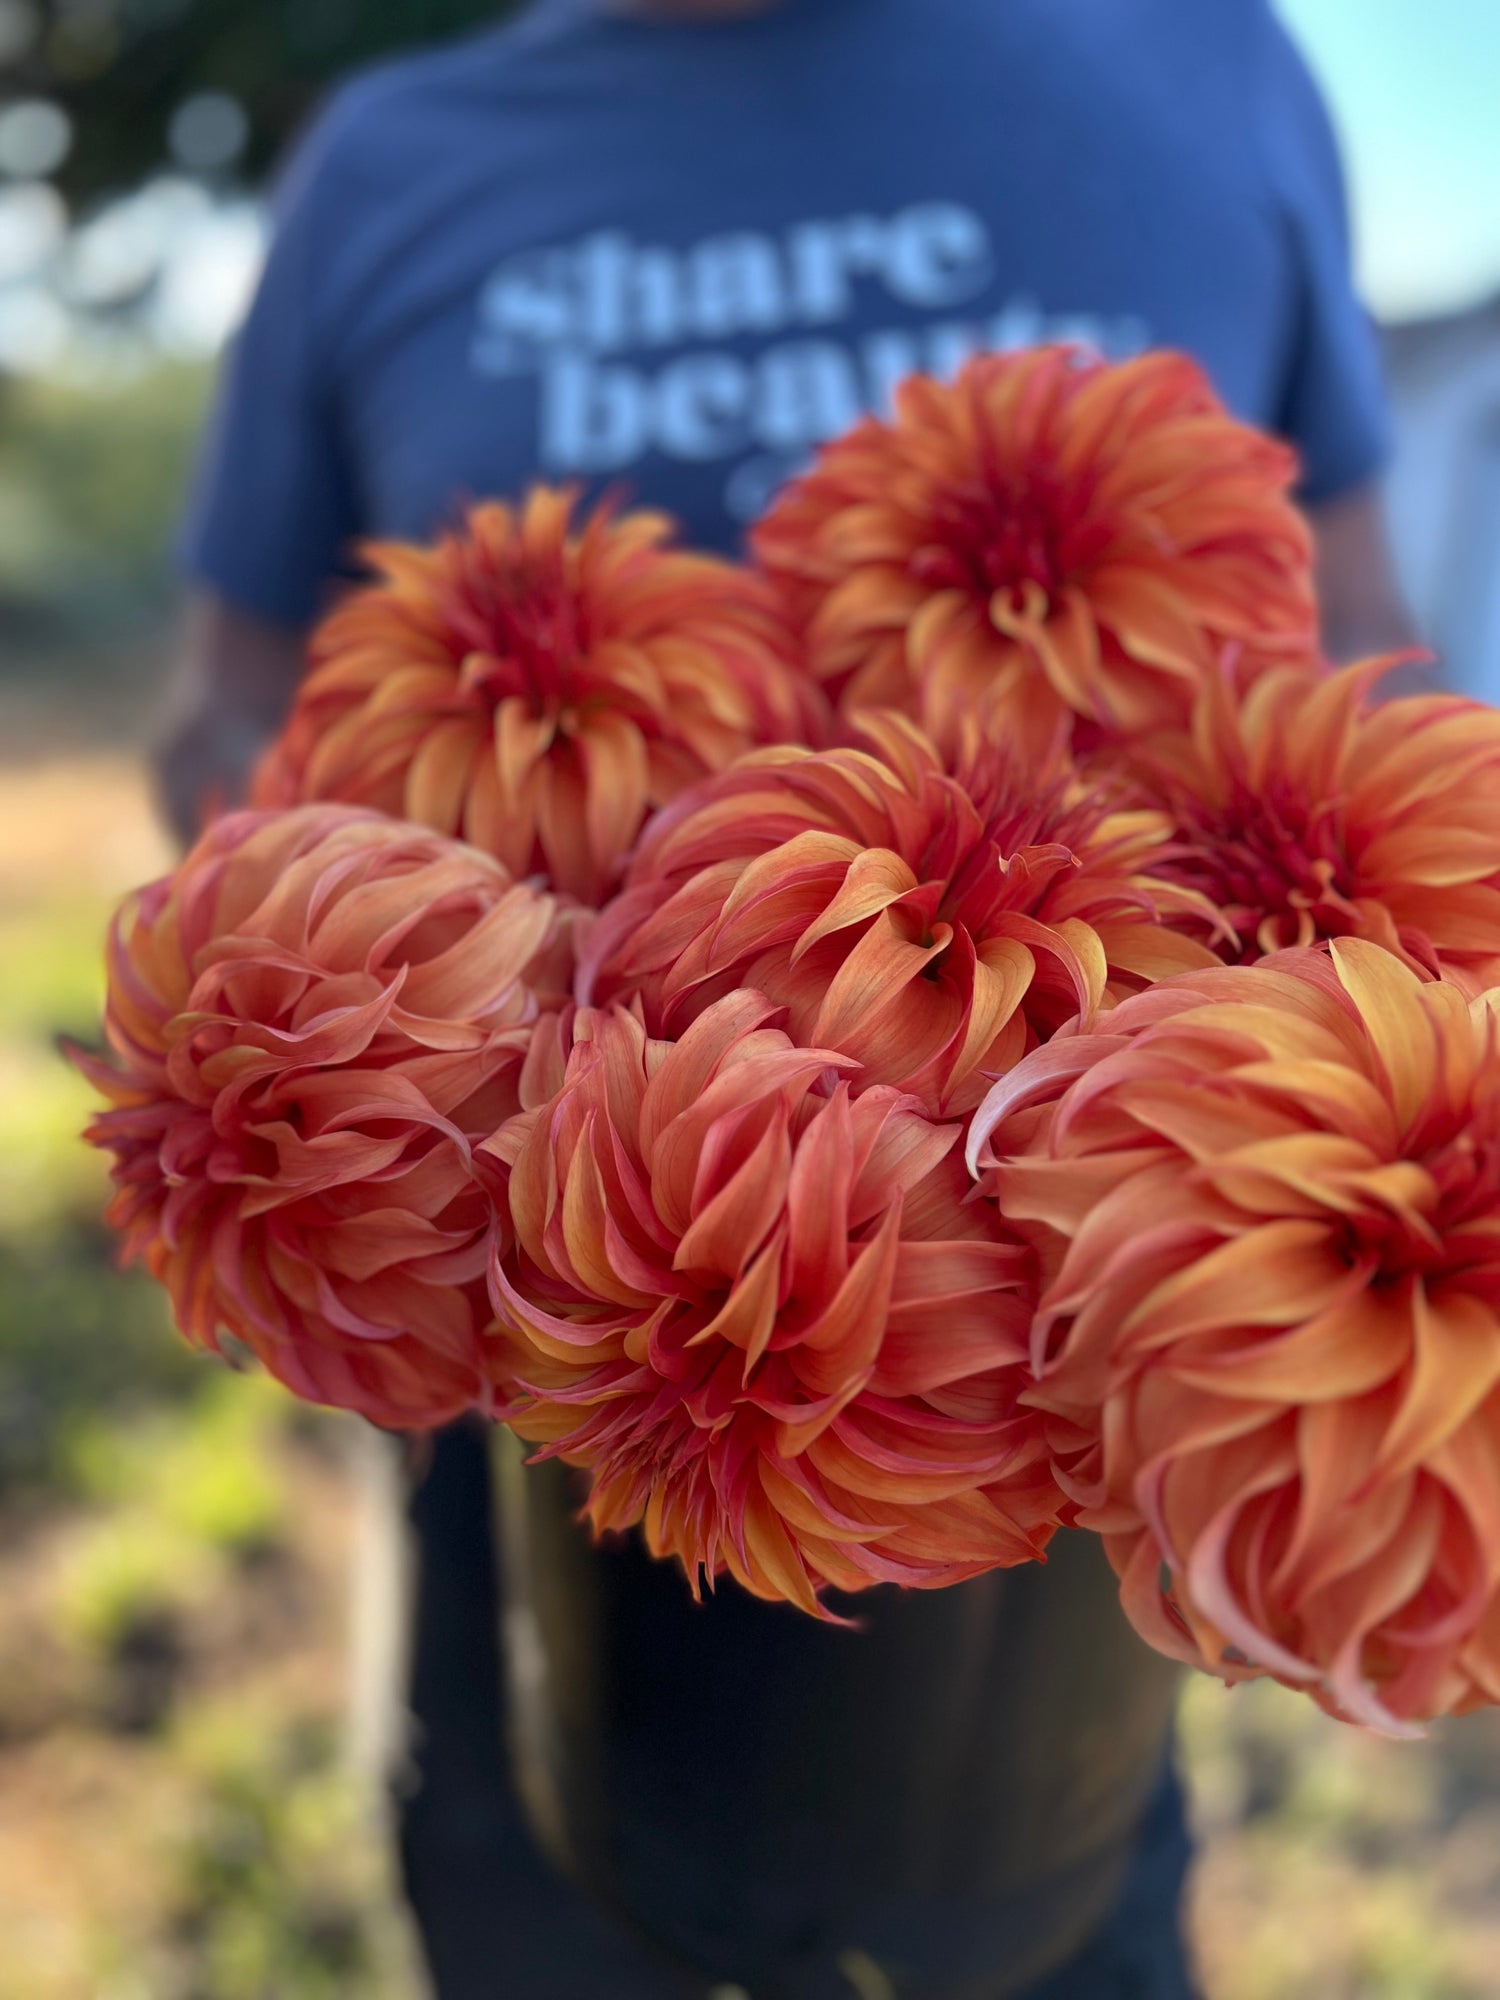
(204, 760)
(1359, 598)
(236, 682)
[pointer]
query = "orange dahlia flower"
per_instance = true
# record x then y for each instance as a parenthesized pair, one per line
(1269, 1202)
(1101, 531)
(932, 927)
(764, 1315)
(1303, 811)
(312, 1022)
(537, 686)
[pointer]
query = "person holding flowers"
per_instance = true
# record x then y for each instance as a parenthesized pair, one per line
(973, 757)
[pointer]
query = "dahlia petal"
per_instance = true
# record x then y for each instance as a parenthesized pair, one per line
(1046, 1074)
(726, 1234)
(1127, 1235)
(1069, 648)
(674, 1151)
(869, 598)
(918, 1358)
(294, 1183)
(695, 1057)
(1291, 1388)
(1063, 943)
(747, 1318)
(1149, 951)
(1150, 619)
(804, 1503)
(1352, 1104)
(878, 967)
(583, 1216)
(532, 681)
(842, 1341)
(1371, 1596)
(907, 1020)
(1029, 1190)
(1213, 1590)
(494, 826)
(1353, 1346)
(897, 1148)
(1455, 1365)
(1302, 1173)
(785, 886)
(616, 783)
(858, 1466)
(1437, 857)
(494, 954)
(1379, 985)
(773, 1561)
(1136, 1560)
(679, 1403)
(819, 1204)
(874, 880)
(1003, 972)
(1272, 1275)
(1336, 1447)
(1468, 1464)
(439, 773)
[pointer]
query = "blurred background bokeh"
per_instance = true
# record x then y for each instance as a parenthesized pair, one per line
(180, 1818)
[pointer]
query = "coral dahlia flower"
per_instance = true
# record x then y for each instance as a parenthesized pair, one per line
(763, 1314)
(536, 685)
(933, 927)
(1098, 530)
(1269, 1202)
(311, 1023)
(1304, 811)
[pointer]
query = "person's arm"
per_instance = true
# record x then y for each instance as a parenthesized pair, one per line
(1363, 611)
(236, 677)
(1333, 401)
(273, 510)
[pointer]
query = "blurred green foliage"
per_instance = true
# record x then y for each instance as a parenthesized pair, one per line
(91, 479)
(120, 69)
(211, 1484)
(272, 1891)
(75, 1338)
(1339, 1865)
(125, 1580)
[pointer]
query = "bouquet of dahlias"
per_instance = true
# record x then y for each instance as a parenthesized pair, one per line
(961, 1026)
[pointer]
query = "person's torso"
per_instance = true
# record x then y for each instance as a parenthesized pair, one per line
(671, 261)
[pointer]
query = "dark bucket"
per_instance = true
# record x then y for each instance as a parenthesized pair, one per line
(939, 1802)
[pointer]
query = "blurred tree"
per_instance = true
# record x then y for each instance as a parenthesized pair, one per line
(204, 86)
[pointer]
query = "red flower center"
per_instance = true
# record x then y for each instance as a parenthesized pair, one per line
(1004, 853)
(1005, 531)
(521, 628)
(1277, 872)
(1455, 1238)
(1467, 1172)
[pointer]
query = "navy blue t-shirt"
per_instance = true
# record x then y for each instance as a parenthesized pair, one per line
(671, 258)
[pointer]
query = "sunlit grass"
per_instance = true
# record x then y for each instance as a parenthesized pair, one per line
(212, 1481)
(74, 837)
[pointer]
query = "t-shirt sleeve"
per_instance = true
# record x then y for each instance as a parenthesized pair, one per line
(272, 509)
(1333, 404)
